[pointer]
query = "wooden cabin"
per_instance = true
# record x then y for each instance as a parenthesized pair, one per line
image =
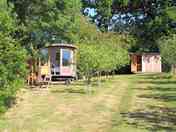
(146, 62)
(57, 62)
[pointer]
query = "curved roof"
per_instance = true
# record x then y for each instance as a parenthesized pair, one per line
(63, 45)
(145, 53)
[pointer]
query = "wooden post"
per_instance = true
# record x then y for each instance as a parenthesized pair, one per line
(61, 54)
(39, 70)
(32, 74)
(49, 61)
(74, 62)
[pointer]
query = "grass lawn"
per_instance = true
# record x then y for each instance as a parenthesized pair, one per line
(127, 103)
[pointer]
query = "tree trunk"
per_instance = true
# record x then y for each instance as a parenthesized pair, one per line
(88, 83)
(99, 78)
(113, 74)
(174, 69)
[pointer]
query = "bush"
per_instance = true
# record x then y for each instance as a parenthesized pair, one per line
(94, 59)
(167, 48)
(12, 69)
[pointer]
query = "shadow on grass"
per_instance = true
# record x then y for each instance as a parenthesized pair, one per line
(169, 97)
(158, 81)
(154, 76)
(161, 88)
(155, 119)
(10, 101)
(73, 91)
(6, 103)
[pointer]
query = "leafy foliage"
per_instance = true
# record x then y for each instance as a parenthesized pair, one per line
(101, 52)
(12, 69)
(45, 21)
(148, 20)
(168, 48)
(12, 58)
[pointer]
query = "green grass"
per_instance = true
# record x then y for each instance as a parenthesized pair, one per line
(127, 103)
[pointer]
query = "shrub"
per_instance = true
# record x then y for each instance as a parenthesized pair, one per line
(12, 69)
(168, 49)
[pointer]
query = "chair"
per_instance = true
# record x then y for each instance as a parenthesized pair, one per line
(45, 76)
(55, 69)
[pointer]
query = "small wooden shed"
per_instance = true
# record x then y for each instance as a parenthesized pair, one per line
(146, 62)
(58, 61)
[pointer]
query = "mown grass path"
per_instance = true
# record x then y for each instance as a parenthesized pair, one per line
(128, 103)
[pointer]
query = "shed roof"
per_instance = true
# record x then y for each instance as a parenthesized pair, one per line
(62, 45)
(145, 53)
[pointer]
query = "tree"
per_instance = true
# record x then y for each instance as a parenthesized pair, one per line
(12, 58)
(45, 21)
(100, 52)
(168, 48)
(146, 20)
(88, 61)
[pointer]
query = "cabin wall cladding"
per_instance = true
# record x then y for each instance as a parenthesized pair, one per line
(53, 55)
(60, 62)
(151, 63)
(57, 62)
(146, 62)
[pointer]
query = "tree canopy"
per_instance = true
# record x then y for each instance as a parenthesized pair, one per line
(12, 57)
(146, 20)
(45, 21)
(168, 47)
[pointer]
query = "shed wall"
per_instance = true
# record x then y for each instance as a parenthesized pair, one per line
(151, 63)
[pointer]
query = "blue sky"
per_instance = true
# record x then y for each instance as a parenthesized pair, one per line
(91, 11)
(117, 19)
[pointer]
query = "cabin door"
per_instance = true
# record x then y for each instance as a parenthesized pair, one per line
(139, 63)
(67, 62)
(55, 54)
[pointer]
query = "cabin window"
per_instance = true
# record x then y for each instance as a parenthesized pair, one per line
(66, 57)
(44, 56)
